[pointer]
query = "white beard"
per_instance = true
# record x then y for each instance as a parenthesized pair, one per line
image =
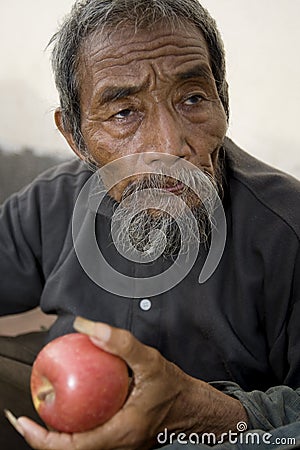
(152, 221)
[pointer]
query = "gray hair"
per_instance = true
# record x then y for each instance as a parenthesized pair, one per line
(88, 16)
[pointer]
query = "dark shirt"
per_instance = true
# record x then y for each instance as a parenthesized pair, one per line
(242, 325)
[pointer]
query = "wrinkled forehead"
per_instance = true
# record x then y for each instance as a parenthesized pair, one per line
(126, 47)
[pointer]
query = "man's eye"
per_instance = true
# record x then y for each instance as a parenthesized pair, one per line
(193, 100)
(123, 114)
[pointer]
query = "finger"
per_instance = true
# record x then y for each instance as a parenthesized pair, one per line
(110, 436)
(118, 342)
(105, 437)
(38, 437)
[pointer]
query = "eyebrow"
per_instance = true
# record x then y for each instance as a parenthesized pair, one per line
(199, 71)
(113, 93)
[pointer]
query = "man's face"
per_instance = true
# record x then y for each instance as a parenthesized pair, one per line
(150, 92)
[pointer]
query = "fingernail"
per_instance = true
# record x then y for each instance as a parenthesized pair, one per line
(100, 331)
(84, 326)
(14, 422)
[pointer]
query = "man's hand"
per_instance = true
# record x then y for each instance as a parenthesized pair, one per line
(162, 396)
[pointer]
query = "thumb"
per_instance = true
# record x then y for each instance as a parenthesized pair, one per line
(117, 341)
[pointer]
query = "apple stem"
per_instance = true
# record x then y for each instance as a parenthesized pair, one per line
(46, 396)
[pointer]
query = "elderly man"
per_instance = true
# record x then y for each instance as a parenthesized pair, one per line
(142, 84)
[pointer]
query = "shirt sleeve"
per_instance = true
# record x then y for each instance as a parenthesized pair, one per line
(278, 406)
(21, 277)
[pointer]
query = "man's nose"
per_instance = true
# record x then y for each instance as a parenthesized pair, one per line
(166, 135)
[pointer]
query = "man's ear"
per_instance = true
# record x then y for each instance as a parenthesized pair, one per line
(66, 134)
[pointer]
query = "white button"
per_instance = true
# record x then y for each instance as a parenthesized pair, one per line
(145, 304)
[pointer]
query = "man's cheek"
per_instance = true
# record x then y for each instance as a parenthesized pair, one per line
(97, 143)
(218, 123)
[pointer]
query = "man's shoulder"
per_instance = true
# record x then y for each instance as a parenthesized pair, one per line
(73, 170)
(274, 190)
(53, 191)
(67, 178)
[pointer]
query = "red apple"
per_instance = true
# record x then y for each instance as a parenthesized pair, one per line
(76, 386)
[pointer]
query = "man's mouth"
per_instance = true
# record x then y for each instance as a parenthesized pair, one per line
(176, 188)
(170, 185)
